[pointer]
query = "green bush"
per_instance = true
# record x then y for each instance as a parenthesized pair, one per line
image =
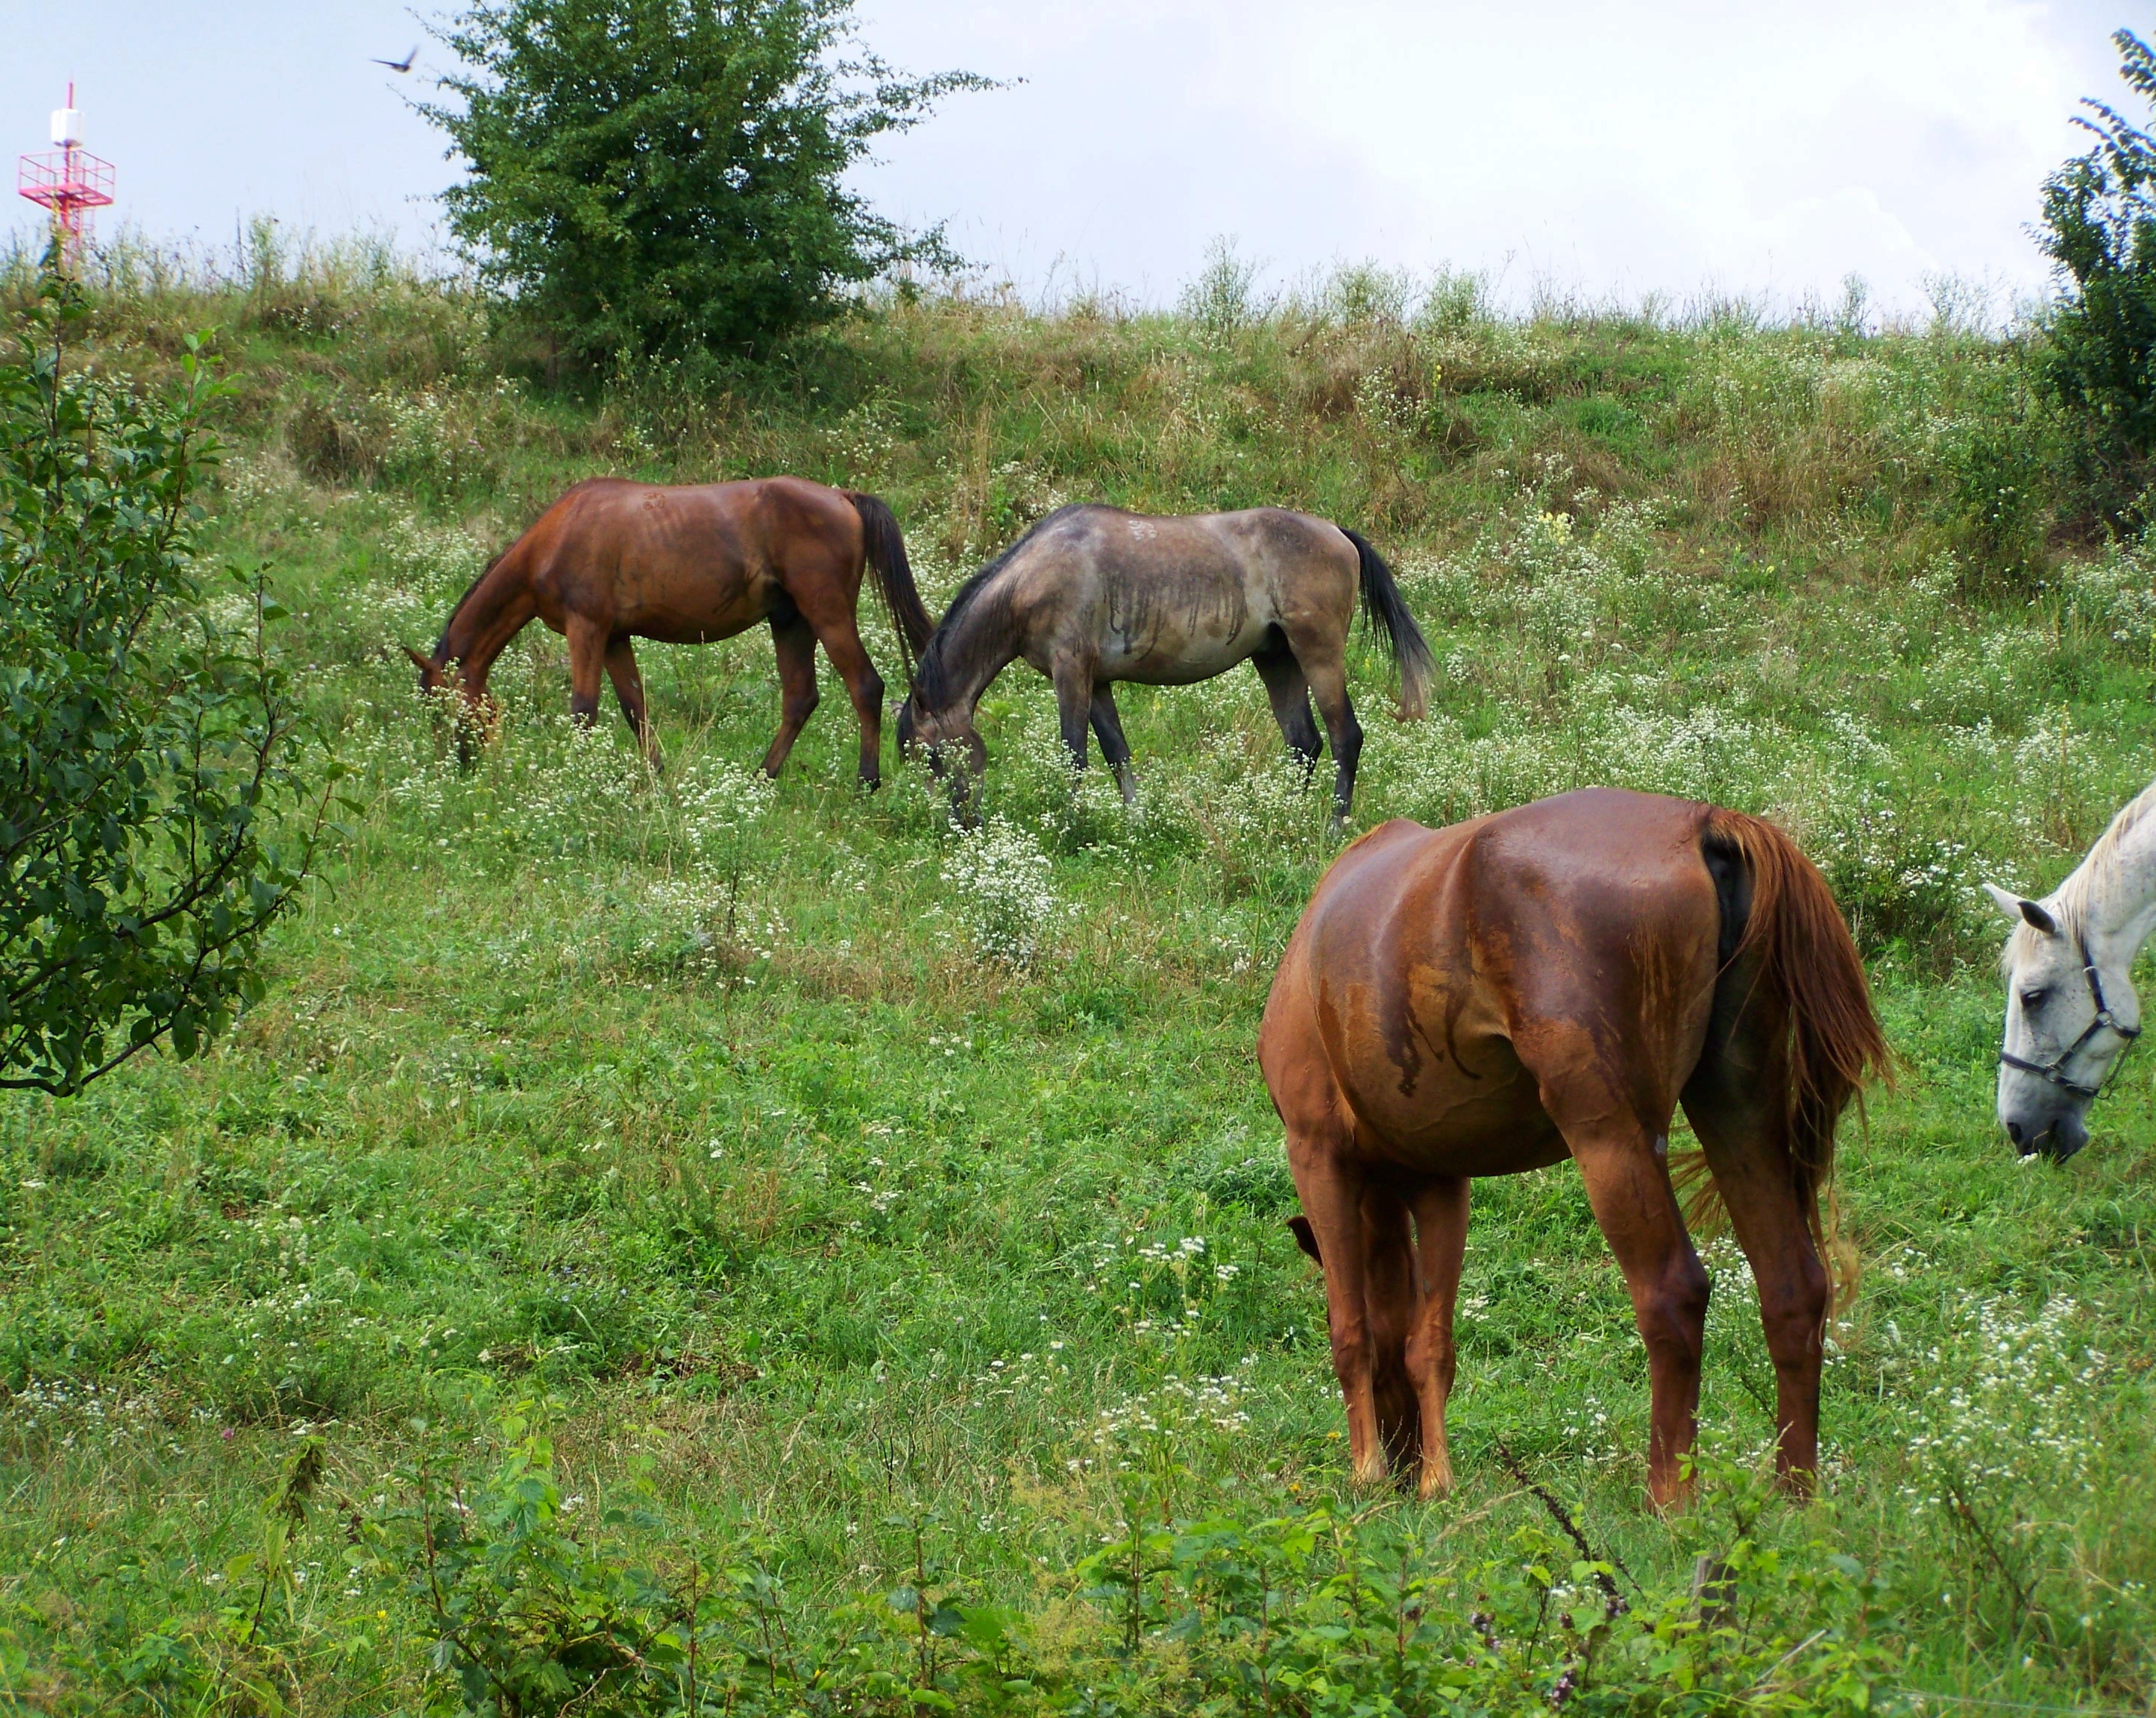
(147, 743)
(2099, 228)
(660, 176)
(1304, 1612)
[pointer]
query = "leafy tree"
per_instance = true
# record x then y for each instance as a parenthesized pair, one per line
(146, 754)
(2099, 228)
(656, 176)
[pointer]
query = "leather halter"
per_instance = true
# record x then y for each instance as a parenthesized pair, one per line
(2055, 1070)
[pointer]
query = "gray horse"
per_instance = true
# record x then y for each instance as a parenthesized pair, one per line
(1092, 595)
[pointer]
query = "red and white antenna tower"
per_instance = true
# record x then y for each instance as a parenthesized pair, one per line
(69, 181)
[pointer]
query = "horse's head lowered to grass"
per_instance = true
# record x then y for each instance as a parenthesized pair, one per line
(436, 674)
(2071, 1013)
(947, 738)
(476, 713)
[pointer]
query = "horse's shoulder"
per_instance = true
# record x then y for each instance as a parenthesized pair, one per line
(1386, 834)
(1388, 858)
(586, 491)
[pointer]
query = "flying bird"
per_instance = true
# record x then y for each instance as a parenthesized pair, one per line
(400, 65)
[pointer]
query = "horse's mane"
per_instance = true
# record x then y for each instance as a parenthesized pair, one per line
(933, 680)
(442, 643)
(2076, 899)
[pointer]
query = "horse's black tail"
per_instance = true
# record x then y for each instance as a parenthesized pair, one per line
(885, 552)
(1389, 616)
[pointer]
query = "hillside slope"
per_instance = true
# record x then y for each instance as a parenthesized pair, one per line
(896, 1212)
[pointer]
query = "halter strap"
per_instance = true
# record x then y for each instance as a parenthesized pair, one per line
(2055, 1070)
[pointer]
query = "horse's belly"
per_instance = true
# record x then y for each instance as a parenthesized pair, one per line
(1457, 1130)
(696, 616)
(1162, 657)
(696, 607)
(698, 629)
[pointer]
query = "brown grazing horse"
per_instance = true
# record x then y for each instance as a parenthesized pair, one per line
(1092, 595)
(1554, 979)
(612, 560)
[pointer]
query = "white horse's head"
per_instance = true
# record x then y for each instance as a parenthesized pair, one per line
(2069, 1019)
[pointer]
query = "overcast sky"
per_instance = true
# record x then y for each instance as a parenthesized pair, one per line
(1612, 149)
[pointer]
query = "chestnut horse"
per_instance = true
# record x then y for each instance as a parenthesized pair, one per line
(1553, 980)
(612, 560)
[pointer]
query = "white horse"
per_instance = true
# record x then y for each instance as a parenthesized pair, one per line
(2070, 1010)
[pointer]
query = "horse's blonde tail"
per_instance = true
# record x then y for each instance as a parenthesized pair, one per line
(1795, 951)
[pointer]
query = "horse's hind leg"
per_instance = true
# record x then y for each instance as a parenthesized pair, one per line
(1624, 1164)
(1440, 1215)
(1288, 694)
(1390, 1302)
(793, 642)
(1328, 685)
(1108, 729)
(1744, 1129)
(829, 608)
(629, 688)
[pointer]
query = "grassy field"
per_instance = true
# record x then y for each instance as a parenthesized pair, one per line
(766, 1215)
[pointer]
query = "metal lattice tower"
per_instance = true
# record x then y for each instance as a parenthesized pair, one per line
(68, 182)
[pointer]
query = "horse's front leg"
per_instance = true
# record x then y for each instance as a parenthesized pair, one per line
(588, 654)
(1440, 1216)
(1108, 729)
(1073, 704)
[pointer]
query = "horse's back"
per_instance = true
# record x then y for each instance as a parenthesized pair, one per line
(1264, 540)
(1178, 597)
(765, 507)
(1451, 979)
(687, 562)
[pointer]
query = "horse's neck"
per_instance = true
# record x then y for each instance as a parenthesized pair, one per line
(979, 655)
(494, 611)
(2120, 906)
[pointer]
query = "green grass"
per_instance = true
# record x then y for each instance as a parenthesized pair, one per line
(831, 1238)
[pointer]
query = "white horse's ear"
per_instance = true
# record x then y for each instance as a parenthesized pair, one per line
(2005, 900)
(2026, 911)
